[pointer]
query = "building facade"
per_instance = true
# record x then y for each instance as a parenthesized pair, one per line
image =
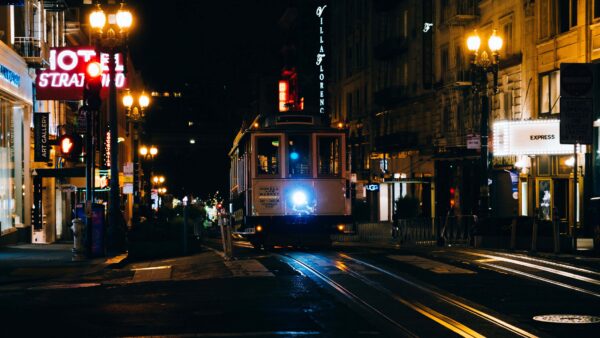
(36, 195)
(403, 84)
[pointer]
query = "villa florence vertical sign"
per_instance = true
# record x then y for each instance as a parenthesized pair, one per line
(40, 124)
(321, 59)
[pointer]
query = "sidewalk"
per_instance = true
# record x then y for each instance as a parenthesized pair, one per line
(38, 262)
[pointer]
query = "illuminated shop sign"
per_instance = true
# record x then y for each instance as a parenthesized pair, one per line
(320, 60)
(64, 78)
(9, 76)
(533, 137)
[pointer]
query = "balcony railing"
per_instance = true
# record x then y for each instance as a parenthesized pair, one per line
(30, 49)
(460, 12)
(390, 47)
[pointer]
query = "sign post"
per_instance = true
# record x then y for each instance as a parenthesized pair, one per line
(576, 120)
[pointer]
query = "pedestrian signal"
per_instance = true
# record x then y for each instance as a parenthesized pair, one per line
(70, 146)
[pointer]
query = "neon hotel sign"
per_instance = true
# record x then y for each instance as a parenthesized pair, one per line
(64, 78)
(320, 59)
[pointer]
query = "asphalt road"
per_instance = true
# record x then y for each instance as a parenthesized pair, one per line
(344, 292)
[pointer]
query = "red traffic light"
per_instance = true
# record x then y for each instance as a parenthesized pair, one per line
(452, 197)
(93, 85)
(93, 69)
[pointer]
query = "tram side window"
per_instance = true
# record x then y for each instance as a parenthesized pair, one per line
(299, 156)
(329, 156)
(267, 155)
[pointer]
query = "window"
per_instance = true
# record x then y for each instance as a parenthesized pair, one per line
(329, 159)
(507, 29)
(550, 93)
(444, 61)
(299, 156)
(596, 9)
(459, 57)
(405, 24)
(567, 15)
(267, 155)
(545, 19)
(349, 106)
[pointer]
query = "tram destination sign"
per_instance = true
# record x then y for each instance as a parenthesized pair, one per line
(576, 103)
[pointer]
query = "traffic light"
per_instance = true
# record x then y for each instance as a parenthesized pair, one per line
(452, 197)
(69, 146)
(93, 86)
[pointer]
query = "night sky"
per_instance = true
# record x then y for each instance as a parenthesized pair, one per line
(212, 52)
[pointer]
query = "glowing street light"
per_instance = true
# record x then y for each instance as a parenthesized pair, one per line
(481, 65)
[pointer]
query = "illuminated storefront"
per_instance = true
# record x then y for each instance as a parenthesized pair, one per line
(15, 108)
(545, 168)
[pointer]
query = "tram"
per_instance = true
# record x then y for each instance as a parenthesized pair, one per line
(289, 181)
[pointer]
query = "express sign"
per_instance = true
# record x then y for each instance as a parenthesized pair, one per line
(64, 78)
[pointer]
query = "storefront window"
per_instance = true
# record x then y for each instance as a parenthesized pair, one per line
(544, 200)
(329, 155)
(299, 156)
(6, 164)
(267, 155)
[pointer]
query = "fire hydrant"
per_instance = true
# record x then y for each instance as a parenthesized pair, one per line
(77, 229)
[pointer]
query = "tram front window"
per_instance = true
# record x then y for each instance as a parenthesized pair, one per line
(267, 155)
(329, 155)
(299, 156)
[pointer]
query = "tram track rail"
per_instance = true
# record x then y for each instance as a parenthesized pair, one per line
(428, 309)
(549, 272)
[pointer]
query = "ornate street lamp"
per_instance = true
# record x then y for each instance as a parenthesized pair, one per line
(112, 39)
(148, 154)
(481, 66)
(134, 115)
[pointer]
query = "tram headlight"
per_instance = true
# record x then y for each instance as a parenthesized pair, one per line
(299, 198)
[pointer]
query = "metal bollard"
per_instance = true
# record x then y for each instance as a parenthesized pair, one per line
(78, 247)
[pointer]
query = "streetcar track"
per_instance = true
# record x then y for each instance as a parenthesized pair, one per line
(543, 279)
(536, 266)
(348, 294)
(455, 302)
(543, 261)
(439, 318)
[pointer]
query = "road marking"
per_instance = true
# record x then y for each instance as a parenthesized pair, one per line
(428, 264)
(445, 321)
(116, 259)
(248, 268)
(152, 274)
(64, 286)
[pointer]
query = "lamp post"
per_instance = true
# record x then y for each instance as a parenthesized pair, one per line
(158, 182)
(134, 117)
(481, 65)
(112, 39)
(148, 153)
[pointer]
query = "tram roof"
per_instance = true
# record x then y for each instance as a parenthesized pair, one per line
(285, 122)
